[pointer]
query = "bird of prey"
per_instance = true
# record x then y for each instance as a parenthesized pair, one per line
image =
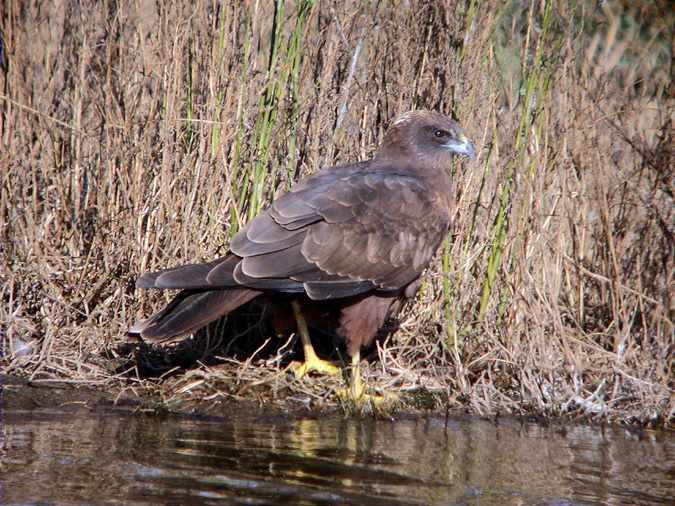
(353, 238)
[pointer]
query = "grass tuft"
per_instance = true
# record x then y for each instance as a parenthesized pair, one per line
(138, 137)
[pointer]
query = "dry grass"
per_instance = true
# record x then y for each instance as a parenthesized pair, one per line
(135, 137)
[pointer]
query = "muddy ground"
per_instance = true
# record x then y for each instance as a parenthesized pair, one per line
(19, 394)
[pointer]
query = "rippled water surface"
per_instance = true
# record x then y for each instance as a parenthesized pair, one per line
(54, 457)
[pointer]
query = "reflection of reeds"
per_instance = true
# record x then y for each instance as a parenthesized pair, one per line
(361, 461)
(141, 138)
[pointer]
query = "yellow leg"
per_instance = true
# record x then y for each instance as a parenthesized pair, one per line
(312, 361)
(356, 389)
(356, 393)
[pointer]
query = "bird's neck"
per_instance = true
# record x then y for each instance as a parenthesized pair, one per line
(421, 164)
(435, 172)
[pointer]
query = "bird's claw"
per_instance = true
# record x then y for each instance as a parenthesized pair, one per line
(356, 397)
(301, 369)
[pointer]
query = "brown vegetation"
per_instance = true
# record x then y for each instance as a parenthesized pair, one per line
(136, 135)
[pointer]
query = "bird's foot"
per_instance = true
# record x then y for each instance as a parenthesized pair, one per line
(312, 361)
(355, 398)
(316, 364)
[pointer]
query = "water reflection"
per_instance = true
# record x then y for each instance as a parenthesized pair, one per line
(118, 458)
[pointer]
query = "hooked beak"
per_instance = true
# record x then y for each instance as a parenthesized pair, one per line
(462, 146)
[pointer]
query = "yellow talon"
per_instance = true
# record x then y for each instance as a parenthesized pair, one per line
(312, 361)
(301, 369)
(355, 395)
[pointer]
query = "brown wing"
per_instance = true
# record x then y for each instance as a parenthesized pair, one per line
(341, 232)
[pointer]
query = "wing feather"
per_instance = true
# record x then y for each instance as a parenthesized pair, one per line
(264, 235)
(280, 264)
(276, 284)
(347, 231)
(381, 226)
(324, 290)
(193, 276)
(350, 230)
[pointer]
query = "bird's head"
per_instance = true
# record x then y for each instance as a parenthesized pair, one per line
(425, 137)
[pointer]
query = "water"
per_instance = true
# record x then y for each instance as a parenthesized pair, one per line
(111, 457)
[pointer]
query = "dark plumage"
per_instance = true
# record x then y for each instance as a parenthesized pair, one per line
(357, 236)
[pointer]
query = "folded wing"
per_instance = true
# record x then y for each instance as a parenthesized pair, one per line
(341, 233)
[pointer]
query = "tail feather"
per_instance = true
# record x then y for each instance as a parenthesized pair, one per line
(189, 311)
(193, 276)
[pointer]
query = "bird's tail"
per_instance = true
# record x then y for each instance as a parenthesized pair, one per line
(189, 311)
(208, 291)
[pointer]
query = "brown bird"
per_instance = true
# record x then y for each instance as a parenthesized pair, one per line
(355, 238)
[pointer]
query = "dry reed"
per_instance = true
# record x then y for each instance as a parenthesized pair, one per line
(138, 135)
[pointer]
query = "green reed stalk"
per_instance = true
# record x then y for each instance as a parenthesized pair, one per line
(536, 84)
(294, 59)
(237, 205)
(220, 97)
(283, 78)
(450, 293)
(267, 116)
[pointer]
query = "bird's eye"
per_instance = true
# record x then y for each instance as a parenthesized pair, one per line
(440, 133)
